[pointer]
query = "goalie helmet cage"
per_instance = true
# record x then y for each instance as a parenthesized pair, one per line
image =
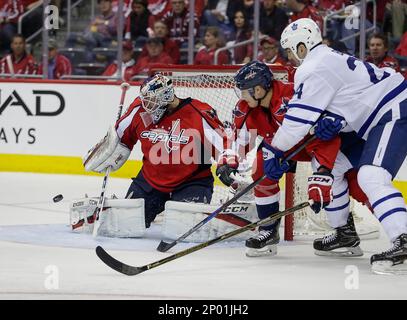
(215, 86)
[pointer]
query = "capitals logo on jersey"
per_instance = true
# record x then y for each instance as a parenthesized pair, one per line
(237, 113)
(282, 110)
(212, 113)
(168, 137)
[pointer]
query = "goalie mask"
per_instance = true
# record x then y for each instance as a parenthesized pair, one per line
(156, 93)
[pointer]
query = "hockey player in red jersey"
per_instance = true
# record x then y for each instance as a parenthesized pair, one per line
(178, 138)
(260, 112)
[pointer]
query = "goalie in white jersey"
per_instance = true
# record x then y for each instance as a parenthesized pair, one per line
(373, 102)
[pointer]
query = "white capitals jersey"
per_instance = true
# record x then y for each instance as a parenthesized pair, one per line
(332, 82)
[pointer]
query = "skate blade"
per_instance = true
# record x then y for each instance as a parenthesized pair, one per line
(270, 250)
(387, 268)
(348, 252)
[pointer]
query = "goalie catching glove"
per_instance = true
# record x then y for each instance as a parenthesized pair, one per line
(320, 190)
(109, 152)
(227, 167)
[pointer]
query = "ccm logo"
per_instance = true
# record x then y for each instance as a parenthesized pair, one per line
(235, 209)
(319, 179)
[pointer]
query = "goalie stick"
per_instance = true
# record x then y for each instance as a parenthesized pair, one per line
(132, 270)
(96, 222)
(165, 246)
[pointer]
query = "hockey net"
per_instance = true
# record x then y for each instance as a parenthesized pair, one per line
(215, 86)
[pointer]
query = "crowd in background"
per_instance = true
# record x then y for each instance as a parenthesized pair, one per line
(156, 31)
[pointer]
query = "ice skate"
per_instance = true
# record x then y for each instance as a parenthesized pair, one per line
(263, 244)
(344, 242)
(392, 261)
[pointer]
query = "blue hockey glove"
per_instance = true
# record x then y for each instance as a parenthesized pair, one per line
(328, 128)
(273, 165)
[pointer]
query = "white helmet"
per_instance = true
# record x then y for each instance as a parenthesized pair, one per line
(304, 31)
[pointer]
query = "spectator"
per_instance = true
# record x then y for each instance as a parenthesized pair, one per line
(160, 30)
(29, 4)
(101, 31)
(34, 20)
(247, 6)
(18, 61)
(177, 21)
(159, 8)
(378, 47)
(336, 45)
(199, 7)
(215, 15)
(329, 6)
(401, 49)
(58, 64)
(269, 52)
(302, 9)
(156, 54)
(242, 32)
(10, 11)
(398, 10)
(206, 54)
(273, 19)
(126, 6)
(138, 23)
(128, 64)
(338, 27)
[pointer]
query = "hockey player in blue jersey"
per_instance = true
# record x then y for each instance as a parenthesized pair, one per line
(373, 103)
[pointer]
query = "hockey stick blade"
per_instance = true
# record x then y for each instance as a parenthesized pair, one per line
(116, 264)
(164, 246)
(132, 271)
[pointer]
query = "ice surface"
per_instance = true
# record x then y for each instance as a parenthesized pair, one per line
(35, 239)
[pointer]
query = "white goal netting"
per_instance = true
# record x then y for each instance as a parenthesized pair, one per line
(216, 87)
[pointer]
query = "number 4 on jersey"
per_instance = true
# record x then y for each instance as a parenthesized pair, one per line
(298, 92)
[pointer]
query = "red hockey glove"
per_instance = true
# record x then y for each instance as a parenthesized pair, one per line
(227, 164)
(320, 190)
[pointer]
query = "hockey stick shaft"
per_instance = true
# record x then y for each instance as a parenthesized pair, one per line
(124, 86)
(163, 246)
(130, 270)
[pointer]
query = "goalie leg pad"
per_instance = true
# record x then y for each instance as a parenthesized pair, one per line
(120, 218)
(180, 217)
